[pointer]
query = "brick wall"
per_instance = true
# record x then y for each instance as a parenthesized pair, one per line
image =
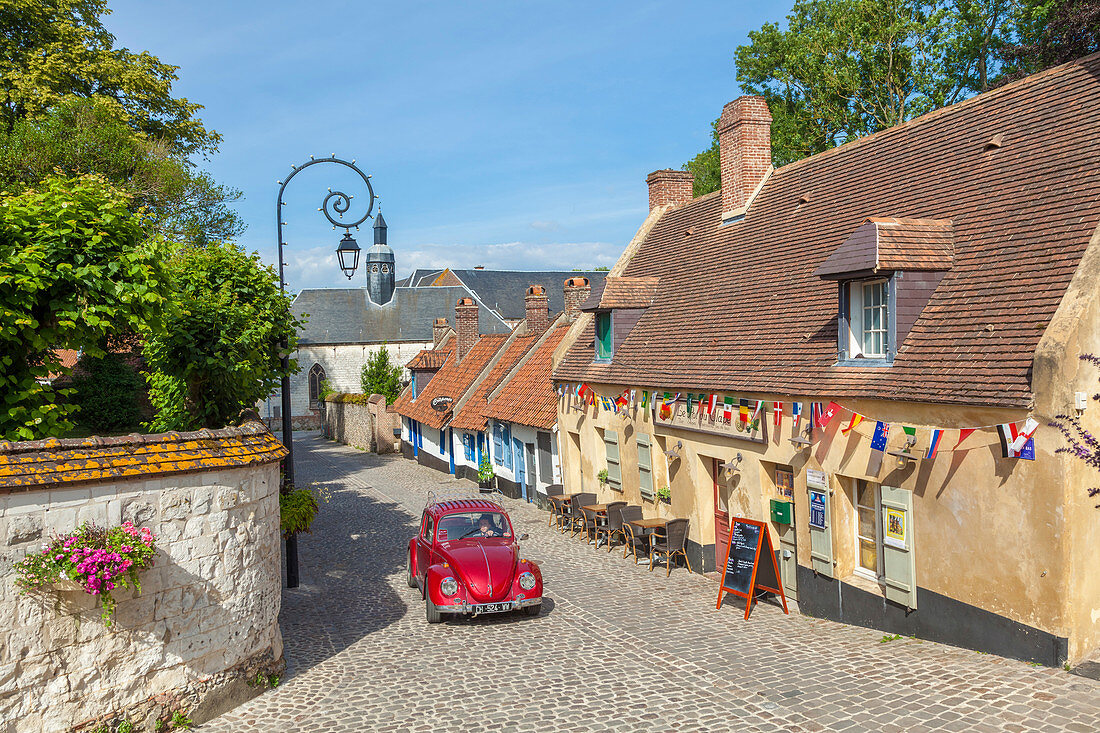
(576, 290)
(745, 149)
(669, 187)
(537, 309)
(466, 326)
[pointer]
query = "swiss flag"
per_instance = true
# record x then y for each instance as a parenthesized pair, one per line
(823, 418)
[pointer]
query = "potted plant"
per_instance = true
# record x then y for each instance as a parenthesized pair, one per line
(664, 494)
(602, 477)
(485, 475)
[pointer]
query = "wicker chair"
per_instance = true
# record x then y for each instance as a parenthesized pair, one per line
(555, 506)
(612, 525)
(669, 544)
(634, 538)
(576, 514)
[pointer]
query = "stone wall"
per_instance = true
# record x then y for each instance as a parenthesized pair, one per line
(206, 619)
(368, 425)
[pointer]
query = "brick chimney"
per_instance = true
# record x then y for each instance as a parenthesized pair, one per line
(466, 326)
(669, 187)
(745, 151)
(538, 309)
(576, 291)
(439, 330)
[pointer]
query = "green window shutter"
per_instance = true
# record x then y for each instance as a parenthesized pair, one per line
(645, 467)
(898, 559)
(603, 335)
(614, 474)
(821, 532)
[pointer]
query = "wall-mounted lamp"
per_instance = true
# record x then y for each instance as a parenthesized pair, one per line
(903, 455)
(801, 442)
(729, 467)
(674, 453)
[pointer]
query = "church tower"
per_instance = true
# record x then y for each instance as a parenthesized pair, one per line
(380, 265)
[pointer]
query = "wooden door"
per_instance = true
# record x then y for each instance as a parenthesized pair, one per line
(721, 515)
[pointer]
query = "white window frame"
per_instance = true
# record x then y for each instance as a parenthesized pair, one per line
(876, 510)
(855, 317)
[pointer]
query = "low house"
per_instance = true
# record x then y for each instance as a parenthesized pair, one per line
(862, 350)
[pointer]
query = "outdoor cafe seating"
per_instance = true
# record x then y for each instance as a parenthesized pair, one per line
(669, 544)
(576, 519)
(610, 523)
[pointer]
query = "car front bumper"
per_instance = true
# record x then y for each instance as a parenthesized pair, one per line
(516, 604)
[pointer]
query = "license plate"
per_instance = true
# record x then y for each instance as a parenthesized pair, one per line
(492, 608)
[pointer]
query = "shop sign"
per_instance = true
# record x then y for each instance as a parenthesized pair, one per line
(442, 403)
(713, 422)
(895, 528)
(816, 479)
(817, 509)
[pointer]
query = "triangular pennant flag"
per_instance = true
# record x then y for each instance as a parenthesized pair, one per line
(777, 414)
(1007, 432)
(824, 416)
(796, 413)
(727, 409)
(743, 410)
(645, 398)
(1024, 434)
(933, 443)
(757, 411)
(878, 440)
(964, 433)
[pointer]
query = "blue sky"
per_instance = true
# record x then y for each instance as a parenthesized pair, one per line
(512, 135)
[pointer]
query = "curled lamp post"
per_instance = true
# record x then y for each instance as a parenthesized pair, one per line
(348, 255)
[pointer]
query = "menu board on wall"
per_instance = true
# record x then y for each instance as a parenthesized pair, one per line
(750, 564)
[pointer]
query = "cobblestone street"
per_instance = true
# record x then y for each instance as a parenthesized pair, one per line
(616, 647)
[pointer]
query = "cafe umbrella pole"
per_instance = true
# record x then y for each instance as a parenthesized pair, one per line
(348, 255)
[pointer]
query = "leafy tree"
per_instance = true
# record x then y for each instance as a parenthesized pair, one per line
(221, 351)
(76, 267)
(107, 390)
(381, 376)
(843, 69)
(1054, 32)
(52, 50)
(80, 136)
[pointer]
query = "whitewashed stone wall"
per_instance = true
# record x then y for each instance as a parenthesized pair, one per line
(343, 365)
(206, 618)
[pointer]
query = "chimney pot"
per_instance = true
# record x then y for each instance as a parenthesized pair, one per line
(466, 326)
(669, 187)
(538, 309)
(576, 291)
(745, 151)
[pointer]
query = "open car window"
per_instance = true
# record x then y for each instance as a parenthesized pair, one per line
(473, 525)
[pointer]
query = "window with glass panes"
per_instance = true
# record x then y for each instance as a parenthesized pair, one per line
(603, 335)
(868, 555)
(873, 301)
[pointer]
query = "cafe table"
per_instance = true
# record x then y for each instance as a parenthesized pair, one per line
(559, 501)
(600, 510)
(649, 527)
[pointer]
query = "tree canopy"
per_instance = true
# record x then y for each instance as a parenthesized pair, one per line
(842, 69)
(381, 376)
(76, 268)
(53, 50)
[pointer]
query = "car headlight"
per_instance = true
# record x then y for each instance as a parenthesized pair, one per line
(527, 581)
(448, 586)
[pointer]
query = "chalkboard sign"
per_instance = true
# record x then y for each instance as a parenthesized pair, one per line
(750, 564)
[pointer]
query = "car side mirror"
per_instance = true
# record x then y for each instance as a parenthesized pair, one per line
(523, 536)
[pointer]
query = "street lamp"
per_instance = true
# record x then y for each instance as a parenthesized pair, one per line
(348, 255)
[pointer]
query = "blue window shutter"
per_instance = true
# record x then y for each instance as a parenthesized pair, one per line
(496, 444)
(442, 443)
(506, 441)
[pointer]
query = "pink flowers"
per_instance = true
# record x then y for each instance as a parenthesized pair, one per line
(99, 559)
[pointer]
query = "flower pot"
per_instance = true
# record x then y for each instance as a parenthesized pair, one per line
(485, 487)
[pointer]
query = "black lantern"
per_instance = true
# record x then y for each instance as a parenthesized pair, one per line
(348, 252)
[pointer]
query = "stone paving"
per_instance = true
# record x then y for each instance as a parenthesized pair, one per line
(615, 648)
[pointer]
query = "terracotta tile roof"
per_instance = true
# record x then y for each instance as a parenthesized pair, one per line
(740, 309)
(431, 358)
(893, 244)
(44, 463)
(472, 415)
(529, 397)
(453, 379)
(622, 292)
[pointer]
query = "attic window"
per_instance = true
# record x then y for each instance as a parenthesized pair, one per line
(604, 341)
(995, 142)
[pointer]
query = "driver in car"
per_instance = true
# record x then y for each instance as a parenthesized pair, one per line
(485, 527)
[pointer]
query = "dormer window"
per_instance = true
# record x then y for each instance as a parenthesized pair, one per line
(604, 340)
(887, 271)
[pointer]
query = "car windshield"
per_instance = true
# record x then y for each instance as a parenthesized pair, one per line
(473, 525)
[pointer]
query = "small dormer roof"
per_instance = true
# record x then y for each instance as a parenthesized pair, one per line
(892, 244)
(622, 292)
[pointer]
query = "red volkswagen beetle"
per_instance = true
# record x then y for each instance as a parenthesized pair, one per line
(465, 559)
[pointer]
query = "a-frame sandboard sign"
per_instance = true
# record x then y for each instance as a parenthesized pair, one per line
(750, 564)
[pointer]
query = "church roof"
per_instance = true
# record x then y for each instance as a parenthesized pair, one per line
(504, 290)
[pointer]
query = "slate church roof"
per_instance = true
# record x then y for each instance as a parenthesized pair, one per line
(503, 290)
(739, 307)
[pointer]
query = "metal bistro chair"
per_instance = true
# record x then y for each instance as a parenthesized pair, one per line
(633, 537)
(612, 524)
(576, 514)
(670, 544)
(555, 505)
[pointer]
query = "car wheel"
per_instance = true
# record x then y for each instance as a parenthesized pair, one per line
(532, 610)
(409, 572)
(431, 613)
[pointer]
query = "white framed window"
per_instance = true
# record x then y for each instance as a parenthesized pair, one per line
(867, 533)
(865, 324)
